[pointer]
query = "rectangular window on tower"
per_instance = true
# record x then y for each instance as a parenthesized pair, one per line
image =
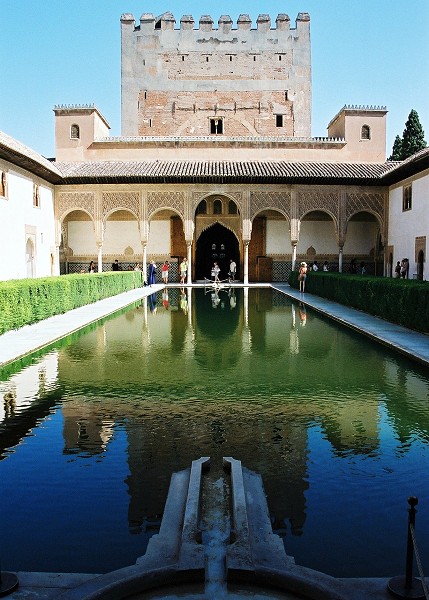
(216, 126)
(279, 120)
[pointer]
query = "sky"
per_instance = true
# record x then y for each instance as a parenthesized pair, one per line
(364, 52)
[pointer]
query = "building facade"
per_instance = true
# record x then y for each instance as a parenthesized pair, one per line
(216, 162)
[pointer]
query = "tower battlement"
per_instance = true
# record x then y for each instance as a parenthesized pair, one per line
(199, 79)
(167, 21)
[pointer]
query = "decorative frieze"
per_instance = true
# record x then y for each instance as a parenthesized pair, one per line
(165, 200)
(117, 200)
(364, 201)
(260, 201)
(318, 200)
(69, 201)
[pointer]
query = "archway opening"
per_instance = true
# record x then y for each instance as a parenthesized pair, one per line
(420, 264)
(216, 243)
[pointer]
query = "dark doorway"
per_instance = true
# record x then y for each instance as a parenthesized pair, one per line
(217, 243)
(420, 264)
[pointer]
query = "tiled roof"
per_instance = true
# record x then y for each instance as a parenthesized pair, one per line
(23, 156)
(223, 172)
(416, 163)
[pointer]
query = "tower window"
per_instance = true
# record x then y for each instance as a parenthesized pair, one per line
(217, 207)
(74, 132)
(207, 59)
(279, 120)
(365, 133)
(183, 59)
(216, 126)
(286, 95)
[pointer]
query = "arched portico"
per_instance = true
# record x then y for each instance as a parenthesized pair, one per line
(217, 234)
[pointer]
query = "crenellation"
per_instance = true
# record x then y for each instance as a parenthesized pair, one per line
(263, 23)
(244, 22)
(187, 23)
(167, 21)
(206, 23)
(225, 24)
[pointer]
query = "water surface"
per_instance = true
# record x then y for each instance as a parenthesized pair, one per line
(90, 433)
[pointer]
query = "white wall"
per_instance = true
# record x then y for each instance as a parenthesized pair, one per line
(278, 237)
(159, 238)
(405, 226)
(319, 234)
(20, 221)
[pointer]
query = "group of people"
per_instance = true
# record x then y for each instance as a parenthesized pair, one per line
(183, 270)
(402, 268)
(215, 271)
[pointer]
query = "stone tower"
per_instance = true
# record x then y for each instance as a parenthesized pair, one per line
(234, 82)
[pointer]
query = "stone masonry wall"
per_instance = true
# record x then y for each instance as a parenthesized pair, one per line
(192, 113)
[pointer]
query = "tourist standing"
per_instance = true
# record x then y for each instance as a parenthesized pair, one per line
(115, 266)
(164, 272)
(152, 272)
(325, 266)
(302, 276)
(232, 269)
(183, 270)
(398, 269)
(91, 268)
(215, 272)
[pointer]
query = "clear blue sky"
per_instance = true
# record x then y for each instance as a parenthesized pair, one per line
(370, 52)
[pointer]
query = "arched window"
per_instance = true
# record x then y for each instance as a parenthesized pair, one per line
(74, 132)
(217, 207)
(232, 208)
(202, 208)
(365, 132)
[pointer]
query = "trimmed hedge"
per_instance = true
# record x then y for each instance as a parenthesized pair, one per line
(401, 301)
(26, 301)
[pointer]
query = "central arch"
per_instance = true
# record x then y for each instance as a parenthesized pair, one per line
(216, 243)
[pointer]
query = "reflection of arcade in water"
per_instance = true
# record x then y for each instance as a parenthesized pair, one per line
(185, 382)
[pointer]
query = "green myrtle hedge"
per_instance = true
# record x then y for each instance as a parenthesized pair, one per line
(401, 301)
(26, 301)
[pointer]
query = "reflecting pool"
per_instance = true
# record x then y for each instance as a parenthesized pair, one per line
(91, 432)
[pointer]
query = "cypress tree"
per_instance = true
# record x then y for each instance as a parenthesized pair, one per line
(397, 149)
(413, 136)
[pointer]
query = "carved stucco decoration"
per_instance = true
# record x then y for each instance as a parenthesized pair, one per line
(318, 200)
(165, 200)
(203, 226)
(237, 197)
(112, 201)
(365, 201)
(69, 201)
(260, 201)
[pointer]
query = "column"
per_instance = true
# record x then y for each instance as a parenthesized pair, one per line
(189, 258)
(100, 257)
(144, 263)
(340, 259)
(246, 263)
(294, 245)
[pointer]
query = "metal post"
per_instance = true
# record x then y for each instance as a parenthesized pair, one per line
(412, 501)
(408, 586)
